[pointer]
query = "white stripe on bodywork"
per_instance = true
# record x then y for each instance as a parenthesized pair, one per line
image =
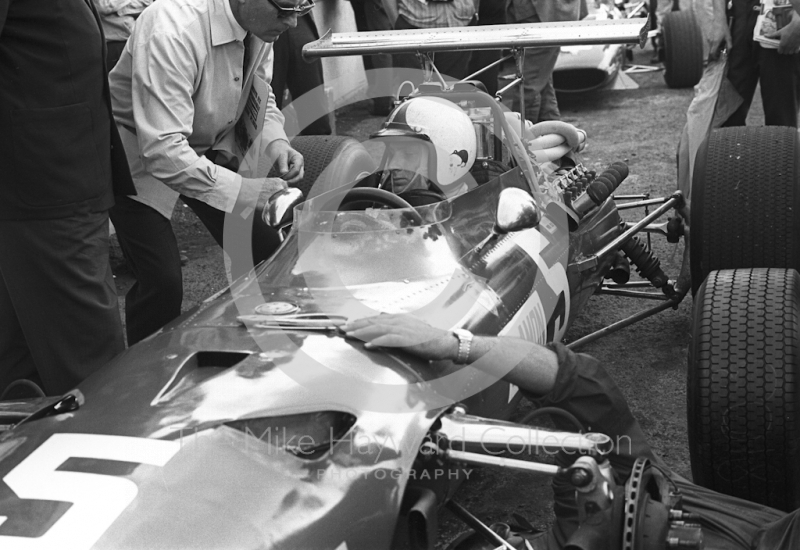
(97, 500)
(555, 277)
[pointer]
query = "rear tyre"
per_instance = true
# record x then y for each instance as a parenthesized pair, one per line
(745, 201)
(682, 43)
(331, 162)
(744, 363)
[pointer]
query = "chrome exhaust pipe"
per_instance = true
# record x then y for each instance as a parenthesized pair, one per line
(465, 432)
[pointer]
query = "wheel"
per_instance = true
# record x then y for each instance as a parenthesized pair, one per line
(743, 388)
(682, 42)
(330, 162)
(375, 196)
(378, 196)
(745, 207)
(422, 197)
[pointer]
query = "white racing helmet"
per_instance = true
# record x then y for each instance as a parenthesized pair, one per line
(445, 125)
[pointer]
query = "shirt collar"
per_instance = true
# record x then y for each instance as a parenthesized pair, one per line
(224, 28)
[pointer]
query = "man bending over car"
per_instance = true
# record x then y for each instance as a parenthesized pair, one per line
(191, 96)
(553, 376)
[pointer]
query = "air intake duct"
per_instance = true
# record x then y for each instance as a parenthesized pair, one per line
(601, 188)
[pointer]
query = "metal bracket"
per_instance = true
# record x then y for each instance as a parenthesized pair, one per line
(637, 69)
(675, 201)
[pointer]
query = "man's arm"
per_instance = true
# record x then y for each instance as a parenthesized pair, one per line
(575, 383)
(289, 163)
(163, 75)
(536, 373)
(713, 21)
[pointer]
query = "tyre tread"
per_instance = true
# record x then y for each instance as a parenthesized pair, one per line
(743, 387)
(683, 49)
(745, 201)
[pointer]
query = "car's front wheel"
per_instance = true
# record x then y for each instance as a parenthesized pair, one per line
(744, 363)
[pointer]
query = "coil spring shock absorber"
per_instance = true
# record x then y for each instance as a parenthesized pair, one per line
(647, 265)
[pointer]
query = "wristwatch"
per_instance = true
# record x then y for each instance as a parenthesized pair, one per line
(464, 344)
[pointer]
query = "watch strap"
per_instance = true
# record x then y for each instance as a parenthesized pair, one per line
(464, 345)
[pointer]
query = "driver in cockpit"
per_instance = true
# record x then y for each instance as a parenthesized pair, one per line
(430, 148)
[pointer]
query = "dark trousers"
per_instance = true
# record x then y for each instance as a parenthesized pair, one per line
(452, 65)
(749, 63)
(59, 318)
(247, 240)
(304, 80)
(584, 389)
(151, 250)
(371, 16)
(114, 50)
(489, 13)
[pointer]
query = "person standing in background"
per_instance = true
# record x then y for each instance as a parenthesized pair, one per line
(413, 14)
(373, 15)
(61, 162)
(301, 77)
(490, 12)
(750, 62)
(540, 96)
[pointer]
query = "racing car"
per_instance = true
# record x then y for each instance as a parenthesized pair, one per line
(678, 42)
(253, 422)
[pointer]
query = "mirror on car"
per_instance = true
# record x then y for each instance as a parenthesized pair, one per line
(516, 210)
(281, 205)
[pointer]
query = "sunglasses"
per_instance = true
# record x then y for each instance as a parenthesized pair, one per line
(299, 11)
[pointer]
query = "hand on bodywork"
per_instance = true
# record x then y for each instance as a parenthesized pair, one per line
(536, 373)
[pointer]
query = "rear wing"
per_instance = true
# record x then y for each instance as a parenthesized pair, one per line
(489, 37)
